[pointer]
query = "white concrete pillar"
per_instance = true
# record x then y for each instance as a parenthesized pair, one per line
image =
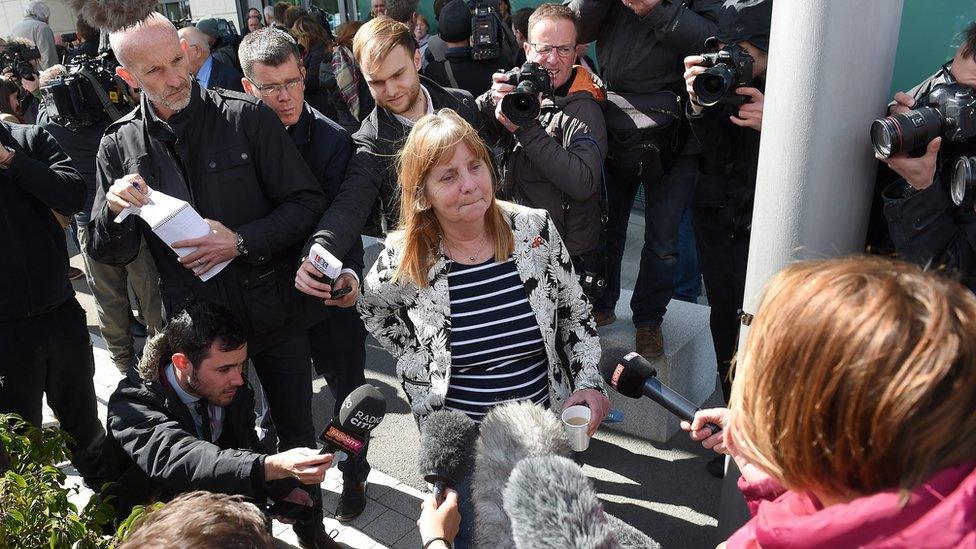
(828, 77)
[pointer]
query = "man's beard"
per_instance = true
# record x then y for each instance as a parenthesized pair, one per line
(168, 103)
(412, 97)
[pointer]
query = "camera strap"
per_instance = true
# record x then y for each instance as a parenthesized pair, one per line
(450, 74)
(110, 109)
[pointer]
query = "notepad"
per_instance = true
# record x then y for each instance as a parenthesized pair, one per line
(173, 220)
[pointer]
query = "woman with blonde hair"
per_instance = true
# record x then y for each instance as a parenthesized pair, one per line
(476, 297)
(852, 412)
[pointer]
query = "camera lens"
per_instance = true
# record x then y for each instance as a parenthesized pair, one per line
(963, 181)
(711, 85)
(521, 107)
(906, 131)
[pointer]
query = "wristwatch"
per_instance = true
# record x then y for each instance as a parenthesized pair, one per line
(241, 248)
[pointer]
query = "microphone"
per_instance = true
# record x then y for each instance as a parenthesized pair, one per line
(111, 15)
(360, 412)
(447, 443)
(551, 503)
(633, 376)
(509, 433)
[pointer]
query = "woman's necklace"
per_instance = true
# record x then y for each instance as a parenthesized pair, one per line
(472, 258)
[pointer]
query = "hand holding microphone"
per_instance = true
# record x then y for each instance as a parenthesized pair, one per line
(439, 521)
(447, 447)
(634, 377)
(699, 430)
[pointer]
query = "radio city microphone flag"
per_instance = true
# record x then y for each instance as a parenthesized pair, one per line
(360, 412)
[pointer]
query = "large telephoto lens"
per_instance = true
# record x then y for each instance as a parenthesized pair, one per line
(711, 85)
(962, 188)
(906, 131)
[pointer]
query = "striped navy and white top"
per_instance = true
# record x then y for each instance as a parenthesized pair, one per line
(497, 353)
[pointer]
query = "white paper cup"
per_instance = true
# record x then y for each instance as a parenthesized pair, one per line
(576, 420)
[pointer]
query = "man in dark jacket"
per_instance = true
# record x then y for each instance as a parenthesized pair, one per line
(640, 45)
(109, 284)
(556, 161)
(386, 51)
(229, 157)
(271, 61)
(457, 69)
(925, 226)
(185, 422)
(43, 333)
(722, 207)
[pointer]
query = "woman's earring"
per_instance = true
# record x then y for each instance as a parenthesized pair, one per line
(421, 203)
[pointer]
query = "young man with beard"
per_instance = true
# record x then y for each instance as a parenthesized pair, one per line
(186, 423)
(274, 72)
(230, 158)
(387, 53)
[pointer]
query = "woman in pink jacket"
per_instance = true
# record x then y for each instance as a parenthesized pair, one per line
(853, 411)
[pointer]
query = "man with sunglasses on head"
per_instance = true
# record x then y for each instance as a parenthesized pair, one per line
(555, 162)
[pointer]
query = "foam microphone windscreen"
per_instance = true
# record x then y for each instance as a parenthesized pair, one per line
(447, 445)
(509, 433)
(628, 374)
(111, 15)
(551, 504)
(362, 410)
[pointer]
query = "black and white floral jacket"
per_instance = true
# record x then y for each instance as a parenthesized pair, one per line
(413, 324)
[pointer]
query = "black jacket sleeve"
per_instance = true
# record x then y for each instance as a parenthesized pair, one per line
(45, 172)
(333, 174)
(110, 242)
(339, 228)
(927, 231)
(288, 182)
(172, 456)
(682, 28)
(591, 14)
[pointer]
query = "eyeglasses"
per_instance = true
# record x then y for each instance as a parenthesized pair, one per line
(274, 89)
(546, 49)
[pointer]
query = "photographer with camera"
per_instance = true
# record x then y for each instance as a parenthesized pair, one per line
(725, 111)
(458, 69)
(929, 210)
(79, 133)
(640, 45)
(551, 119)
(19, 62)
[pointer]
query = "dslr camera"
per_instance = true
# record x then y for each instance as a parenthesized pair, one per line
(18, 57)
(728, 68)
(521, 105)
(87, 92)
(949, 110)
(485, 25)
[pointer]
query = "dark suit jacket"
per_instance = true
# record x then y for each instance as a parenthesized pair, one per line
(225, 76)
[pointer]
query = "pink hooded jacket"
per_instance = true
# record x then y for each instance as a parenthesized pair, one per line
(939, 513)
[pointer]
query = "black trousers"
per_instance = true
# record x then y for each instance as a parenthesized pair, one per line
(339, 355)
(723, 251)
(286, 377)
(51, 354)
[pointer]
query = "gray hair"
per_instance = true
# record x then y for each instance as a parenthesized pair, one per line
(268, 14)
(38, 10)
(268, 46)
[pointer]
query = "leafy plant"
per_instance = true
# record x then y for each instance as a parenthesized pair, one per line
(34, 507)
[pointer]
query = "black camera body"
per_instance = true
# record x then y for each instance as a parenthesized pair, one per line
(484, 29)
(949, 111)
(728, 68)
(87, 92)
(522, 105)
(18, 57)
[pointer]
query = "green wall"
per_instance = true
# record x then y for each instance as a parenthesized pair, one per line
(929, 37)
(929, 33)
